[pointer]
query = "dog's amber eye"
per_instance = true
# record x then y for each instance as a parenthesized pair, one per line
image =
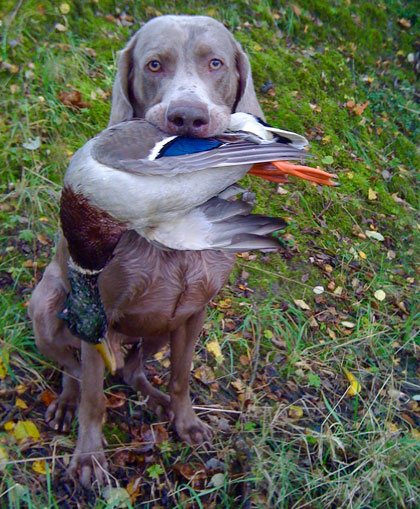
(154, 65)
(215, 64)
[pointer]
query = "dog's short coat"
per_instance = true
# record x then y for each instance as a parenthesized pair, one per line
(185, 74)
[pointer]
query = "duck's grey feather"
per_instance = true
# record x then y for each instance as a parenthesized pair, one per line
(127, 147)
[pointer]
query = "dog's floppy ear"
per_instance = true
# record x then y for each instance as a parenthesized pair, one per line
(121, 108)
(246, 100)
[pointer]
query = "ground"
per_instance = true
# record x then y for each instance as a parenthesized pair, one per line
(308, 365)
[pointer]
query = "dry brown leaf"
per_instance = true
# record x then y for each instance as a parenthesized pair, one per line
(301, 303)
(405, 23)
(47, 397)
(72, 98)
(297, 10)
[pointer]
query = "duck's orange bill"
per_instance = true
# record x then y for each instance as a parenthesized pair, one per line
(276, 171)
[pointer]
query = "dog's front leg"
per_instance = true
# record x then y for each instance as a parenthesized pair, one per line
(89, 461)
(189, 427)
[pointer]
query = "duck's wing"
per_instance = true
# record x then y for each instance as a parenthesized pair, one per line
(131, 147)
(217, 224)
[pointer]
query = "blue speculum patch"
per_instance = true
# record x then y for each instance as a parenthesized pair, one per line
(182, 145)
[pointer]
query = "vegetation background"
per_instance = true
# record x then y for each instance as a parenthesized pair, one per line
(308, 367)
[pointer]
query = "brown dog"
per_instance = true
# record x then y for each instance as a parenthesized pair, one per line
(185, 74)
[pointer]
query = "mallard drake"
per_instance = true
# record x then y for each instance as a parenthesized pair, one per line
(174, 192)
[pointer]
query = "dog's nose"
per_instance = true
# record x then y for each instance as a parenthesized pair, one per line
(187, 119)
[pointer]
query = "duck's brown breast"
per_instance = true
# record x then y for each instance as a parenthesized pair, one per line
(148, 291)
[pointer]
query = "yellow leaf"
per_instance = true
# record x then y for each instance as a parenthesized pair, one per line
(64, 8)
(380, 295)
(415, 434)
(214, 348)
(295, 412)
(9, 425)
(257, 47)
(159, 355)
(24, 429)
(39, 467)
(301, 303)
(362, 255)
(372, 195)
(4, 360)
(354, 383)
(20, 403)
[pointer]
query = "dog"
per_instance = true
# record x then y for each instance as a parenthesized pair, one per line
(186, 75)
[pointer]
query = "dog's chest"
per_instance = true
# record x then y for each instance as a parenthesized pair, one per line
(149, 291)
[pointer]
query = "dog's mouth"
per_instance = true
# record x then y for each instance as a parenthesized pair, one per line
(191, 120)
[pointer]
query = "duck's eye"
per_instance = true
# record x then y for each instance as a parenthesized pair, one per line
(215, 64)
(154, 65)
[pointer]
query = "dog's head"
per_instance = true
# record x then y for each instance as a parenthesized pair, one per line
(184, 74)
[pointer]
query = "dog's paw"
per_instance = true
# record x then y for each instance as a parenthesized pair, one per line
(60, 413)
(193, 430)
(89, 468)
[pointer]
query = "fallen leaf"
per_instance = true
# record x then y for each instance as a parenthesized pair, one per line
(32, 144)
(362, 255)
(405, 23)
(39, 466)
(372, 195)
(217, 480)
(301, 303)
(380, 295)
(327, 160)
(374, 235)
(47, 397)
(115, 399)
(348, 325)
(318, 290)
(354, 383)
(415, 434)
(116, 497)
(64, 8)
(295, 412)
(224, 304)
(9, 425)
(360, 108)
(297, 10)
(72, 98)
(20, 403)
(4, 360)
(133, 488)
(213, 347)
(205, 374)
(25, 429)
(3, 458)
(239, 386)
(60, 27)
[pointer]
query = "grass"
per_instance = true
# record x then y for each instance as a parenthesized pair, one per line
(289, 434)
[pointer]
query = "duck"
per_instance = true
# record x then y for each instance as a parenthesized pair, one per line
(176, 192)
